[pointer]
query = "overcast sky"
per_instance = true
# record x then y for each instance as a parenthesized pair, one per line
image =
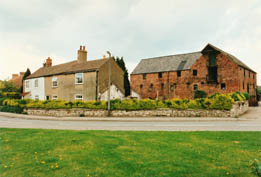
(32, 30)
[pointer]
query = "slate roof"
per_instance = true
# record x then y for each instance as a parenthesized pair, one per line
(167, 63)
(66, 68)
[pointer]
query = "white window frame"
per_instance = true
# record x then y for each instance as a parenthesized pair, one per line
(36, 97)
(75, 97)
(36, 83)
(27, 84)
(54, 97)
(55, 80)
(77, 76)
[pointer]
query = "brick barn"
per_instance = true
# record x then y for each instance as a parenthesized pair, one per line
(178, 76)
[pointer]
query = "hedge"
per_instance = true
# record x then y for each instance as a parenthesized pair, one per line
(216, 101)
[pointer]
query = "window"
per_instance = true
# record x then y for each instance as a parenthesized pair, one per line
(159, 75)
(78, 78)
(195, 87)
(55, 97)
(27, 84)
(253, 76)
(223, 86)
(248, 88)
(144, 76)
(54, 82)
(178, 73)
(244, 72)
(151, 87)
(195, 72)
(171, 87)
(141, 86)
(243, 85)
(212, 59)
(36, 83)
(162, 86)
(36, 97)
(78, 97)
(202, 83)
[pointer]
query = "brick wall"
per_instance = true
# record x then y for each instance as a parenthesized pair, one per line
(229, 74)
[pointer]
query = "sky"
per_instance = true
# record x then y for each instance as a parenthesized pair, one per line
(33, 30)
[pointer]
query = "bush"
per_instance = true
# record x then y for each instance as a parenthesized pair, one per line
(215, 101)
(2, 100)
(247, 96)
(12, 109)
(200, 94)
(221, 102)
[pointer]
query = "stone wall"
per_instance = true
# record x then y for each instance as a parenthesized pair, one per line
(238, 109)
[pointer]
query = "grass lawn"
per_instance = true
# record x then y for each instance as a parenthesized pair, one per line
(50, 153)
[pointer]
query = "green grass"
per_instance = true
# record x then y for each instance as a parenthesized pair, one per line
(31, 152)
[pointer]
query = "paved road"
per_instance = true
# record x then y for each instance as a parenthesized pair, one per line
(249, 122)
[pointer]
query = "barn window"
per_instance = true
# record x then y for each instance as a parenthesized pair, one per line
(223, 86)
(151, 87)
(195, 72)
(179, 73)
(162, 86)
(144, 76)
(195, 87)
(212, 69)
(159, 75)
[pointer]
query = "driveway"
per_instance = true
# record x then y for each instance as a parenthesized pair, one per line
(248, 122)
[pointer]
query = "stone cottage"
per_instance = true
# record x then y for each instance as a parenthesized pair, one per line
(178, 76)
(80, 79)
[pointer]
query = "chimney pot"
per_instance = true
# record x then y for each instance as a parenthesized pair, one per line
(82, 54)
(48, 62)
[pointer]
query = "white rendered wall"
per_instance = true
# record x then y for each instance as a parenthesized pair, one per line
(135, 94)
(35, 90)
(115, 94)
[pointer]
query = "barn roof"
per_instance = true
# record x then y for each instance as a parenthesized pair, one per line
(167, 63)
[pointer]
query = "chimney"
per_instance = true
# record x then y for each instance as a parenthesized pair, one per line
(82, 54)
(14, 76)
(22, 74)
(48, 62)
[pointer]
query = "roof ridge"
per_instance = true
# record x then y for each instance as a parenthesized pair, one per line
(171, 55)
(76, 61)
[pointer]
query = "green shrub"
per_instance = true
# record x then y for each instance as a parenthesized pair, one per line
(221, 102)
(200, 94)
(12, 109)
(247, 96)
(2, 100)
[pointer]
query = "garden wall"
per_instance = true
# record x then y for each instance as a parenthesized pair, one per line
(238, 109)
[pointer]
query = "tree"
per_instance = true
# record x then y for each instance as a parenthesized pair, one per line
(122, 65)
(8, 86)
(26, 74)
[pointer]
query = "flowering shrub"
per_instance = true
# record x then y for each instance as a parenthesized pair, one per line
(216, 101)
